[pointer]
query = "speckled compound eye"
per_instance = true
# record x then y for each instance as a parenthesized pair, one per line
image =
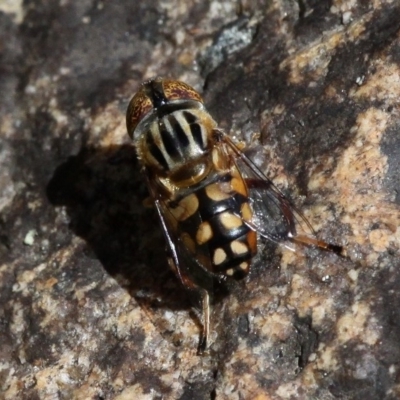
(139, 106)
(176, 90)
(156, 93)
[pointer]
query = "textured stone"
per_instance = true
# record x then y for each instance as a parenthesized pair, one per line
(89, 308)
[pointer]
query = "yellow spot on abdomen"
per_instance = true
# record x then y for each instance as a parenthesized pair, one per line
(247, 213)
(215, 192)
(244, 266)
(239, 247)
(204, 233)
(186, 207)
(188, 242)
(219, 256)
(230, 221)
(239, 186)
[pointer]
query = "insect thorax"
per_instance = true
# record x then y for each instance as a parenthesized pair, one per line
(176, 145)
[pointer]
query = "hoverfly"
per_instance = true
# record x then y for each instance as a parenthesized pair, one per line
(213, 202)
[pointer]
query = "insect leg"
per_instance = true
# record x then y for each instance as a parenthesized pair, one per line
(205, 299)
(310, 241)
(206, 321)
(187, 282)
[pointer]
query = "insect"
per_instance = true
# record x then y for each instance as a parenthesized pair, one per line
(212, 201)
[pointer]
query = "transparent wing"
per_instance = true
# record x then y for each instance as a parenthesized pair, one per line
(274, 216)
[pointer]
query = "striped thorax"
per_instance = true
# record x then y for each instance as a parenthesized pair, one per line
(171, 131)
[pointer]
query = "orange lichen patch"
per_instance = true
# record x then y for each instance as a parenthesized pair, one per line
(7, 127)
(364, 154)
(354, 324)
(123, 323)
(277, 325)
(309, 378)
(248, 384)
(313, 62)
(327, 358)
(335, 94)
(290, 390)
(359, 178)
(187, 58)
(383, 85)
(135, 391)
(289, 257)
(28, 276)
(89, 389)
(262, 396)
(303, 295)
(50, 283)
(344, 6)
(380, 239)
(322, 309)
(107, 127)
(318, 215)
(319, 177)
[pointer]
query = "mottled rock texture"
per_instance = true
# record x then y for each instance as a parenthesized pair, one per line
(88, 306)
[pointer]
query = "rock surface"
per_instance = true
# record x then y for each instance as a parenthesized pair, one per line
(89, 308)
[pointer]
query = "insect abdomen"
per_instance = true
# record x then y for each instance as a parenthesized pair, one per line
(213, 228)
(233, 245)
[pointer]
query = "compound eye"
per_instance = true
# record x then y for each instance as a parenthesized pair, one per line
(177, 90)
(139, 106)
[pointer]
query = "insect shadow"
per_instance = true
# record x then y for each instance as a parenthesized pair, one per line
(104, 194)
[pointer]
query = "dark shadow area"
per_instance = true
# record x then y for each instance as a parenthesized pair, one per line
(373, 385)
(103, 192)
(50, 30)
(307, 338)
